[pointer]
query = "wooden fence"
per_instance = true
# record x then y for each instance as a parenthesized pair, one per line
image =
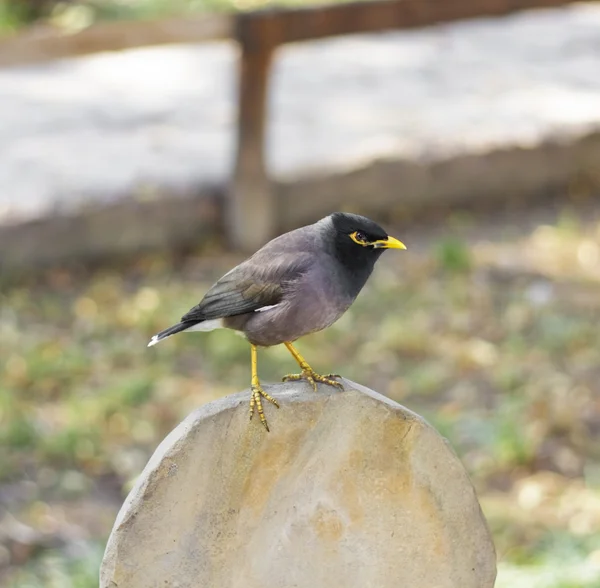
(252, 207)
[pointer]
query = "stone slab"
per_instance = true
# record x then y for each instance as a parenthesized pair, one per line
(349, 489)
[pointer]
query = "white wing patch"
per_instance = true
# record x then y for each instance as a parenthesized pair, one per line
(207, 326)
(263, 308)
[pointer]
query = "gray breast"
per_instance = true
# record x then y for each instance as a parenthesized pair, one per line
(310, 304)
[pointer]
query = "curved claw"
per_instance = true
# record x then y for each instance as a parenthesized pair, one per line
(329, 376)
(328, 380)
(256, 402)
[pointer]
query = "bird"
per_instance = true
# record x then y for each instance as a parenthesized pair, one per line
(298, 283)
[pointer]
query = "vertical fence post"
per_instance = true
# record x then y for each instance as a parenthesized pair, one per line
(251, 214)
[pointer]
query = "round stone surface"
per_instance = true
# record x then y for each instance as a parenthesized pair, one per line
(348, 490)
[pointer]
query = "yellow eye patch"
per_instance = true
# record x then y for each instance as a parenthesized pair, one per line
(359, 238)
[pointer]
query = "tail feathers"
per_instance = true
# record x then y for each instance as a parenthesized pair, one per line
(170, 331)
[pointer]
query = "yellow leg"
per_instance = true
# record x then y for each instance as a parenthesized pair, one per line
(257, 391)
(308, 373)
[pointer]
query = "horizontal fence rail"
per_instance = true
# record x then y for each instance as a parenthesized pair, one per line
(269, 28)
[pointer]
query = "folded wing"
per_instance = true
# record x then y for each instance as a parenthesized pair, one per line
(250, 286)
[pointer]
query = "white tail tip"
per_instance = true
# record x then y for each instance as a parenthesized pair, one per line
(153, 341)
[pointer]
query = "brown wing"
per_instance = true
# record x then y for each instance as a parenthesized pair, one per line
(249, 286)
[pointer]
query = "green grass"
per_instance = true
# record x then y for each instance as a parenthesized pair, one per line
(502, 359)
(54, 570)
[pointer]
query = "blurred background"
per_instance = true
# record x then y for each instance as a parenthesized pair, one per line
(477, 143)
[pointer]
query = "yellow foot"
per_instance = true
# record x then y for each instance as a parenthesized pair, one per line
(256, 401)
(312, 378)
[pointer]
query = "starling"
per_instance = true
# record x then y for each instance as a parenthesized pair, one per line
(298, 283)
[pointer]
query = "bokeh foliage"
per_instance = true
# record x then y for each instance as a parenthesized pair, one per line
(66, 13)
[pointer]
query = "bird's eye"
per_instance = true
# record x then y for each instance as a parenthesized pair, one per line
(360, 238)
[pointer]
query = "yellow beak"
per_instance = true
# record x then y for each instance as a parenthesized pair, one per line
(389, 243)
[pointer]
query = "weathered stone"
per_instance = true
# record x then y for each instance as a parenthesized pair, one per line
(348, 490)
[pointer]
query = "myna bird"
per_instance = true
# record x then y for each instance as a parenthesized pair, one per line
(298, 283)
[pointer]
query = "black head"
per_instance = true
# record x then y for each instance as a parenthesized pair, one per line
(359, 242)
